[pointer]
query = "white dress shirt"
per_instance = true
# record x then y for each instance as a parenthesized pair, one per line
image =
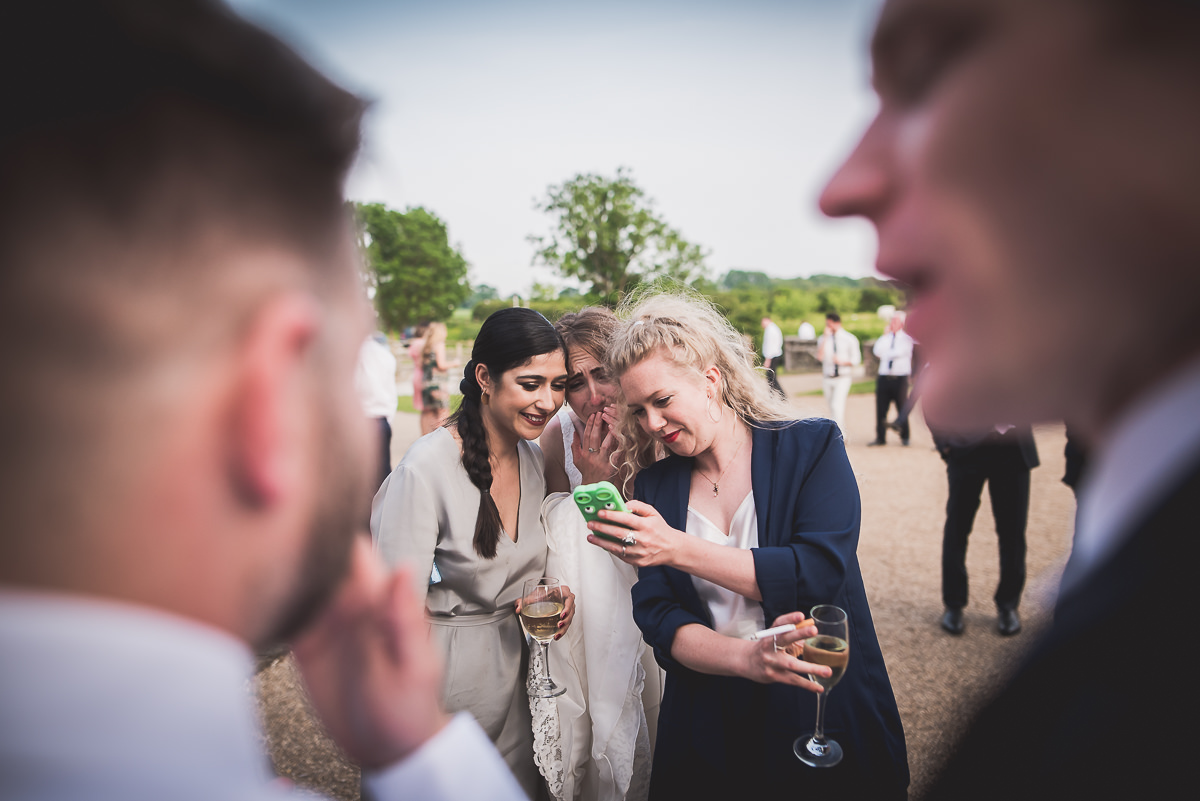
(845, 346)
(894, 351)
(104, 701)
(772, 342)
(375, 379)
(1134, 469)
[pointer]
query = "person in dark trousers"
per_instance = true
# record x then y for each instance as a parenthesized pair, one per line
(895, 353)
(772, 351)
(1002, 458)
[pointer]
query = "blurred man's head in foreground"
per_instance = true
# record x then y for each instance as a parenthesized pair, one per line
(180, 311)
(1034, 162)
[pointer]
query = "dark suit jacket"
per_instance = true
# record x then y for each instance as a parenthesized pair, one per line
(1105, 707)
(952, 445)
(724, 737)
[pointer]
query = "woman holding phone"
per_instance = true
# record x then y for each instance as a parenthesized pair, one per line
(750, 521)
(464, 508)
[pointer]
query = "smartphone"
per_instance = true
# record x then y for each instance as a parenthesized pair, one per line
(591, 498)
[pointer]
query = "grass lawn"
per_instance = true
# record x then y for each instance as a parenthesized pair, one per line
(857, 388)
(406, 404)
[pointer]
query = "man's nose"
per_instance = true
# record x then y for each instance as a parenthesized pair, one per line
(861, 186)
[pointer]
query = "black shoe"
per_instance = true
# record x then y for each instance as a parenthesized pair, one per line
(952, 621)
(876, 442)
(904, 442)
(1009, 623)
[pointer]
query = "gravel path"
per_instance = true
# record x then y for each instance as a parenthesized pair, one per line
(938, 679)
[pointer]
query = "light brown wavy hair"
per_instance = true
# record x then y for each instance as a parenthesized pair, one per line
(695, 335)
(591, 330)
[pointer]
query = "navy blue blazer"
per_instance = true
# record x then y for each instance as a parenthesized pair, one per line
(716, 732)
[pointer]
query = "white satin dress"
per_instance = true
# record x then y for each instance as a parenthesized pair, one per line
(595, 740)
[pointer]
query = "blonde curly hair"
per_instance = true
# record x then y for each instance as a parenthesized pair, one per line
(687, 327)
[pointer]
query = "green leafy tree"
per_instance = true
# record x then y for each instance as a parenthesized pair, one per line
(745, 279)
(839, 299)
(875, 296)
(607, 233)
(414, 270)
(792, 304)
(479, 293)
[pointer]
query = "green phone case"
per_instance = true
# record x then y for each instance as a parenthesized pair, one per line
(591, 498)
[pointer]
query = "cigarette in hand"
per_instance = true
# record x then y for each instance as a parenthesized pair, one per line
(784, 629)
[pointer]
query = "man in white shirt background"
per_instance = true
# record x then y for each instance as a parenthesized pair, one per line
(375, 380)
(185, 463)
(839, 353)
(772, 351)
(1031, 164)
(895, 351)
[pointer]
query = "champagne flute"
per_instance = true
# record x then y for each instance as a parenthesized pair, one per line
(541, 604)
(830, 646)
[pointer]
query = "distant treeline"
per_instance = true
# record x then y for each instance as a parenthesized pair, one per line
(746, 297)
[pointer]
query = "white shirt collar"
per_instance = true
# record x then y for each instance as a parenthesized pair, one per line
(1135, 469)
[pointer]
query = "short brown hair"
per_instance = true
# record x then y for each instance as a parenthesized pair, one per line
(141, 143)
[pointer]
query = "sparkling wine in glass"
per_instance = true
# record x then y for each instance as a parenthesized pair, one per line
(541, 604)
(830, 646)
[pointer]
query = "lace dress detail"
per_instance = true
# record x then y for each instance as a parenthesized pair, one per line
(547, 734)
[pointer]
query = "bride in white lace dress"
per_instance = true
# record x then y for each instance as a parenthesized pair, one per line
(595, 741)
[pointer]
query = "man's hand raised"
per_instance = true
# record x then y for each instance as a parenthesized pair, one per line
(371, 670)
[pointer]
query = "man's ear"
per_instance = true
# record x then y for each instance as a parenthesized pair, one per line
(269, 395)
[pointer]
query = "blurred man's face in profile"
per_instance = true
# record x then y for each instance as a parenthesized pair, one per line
(344, 466)
(1028, 168)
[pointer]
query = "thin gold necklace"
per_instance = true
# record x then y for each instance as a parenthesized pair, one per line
(717, 484)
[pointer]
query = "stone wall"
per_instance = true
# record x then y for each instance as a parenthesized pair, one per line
(800, 356)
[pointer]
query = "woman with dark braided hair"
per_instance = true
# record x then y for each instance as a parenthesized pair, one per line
(463, 507)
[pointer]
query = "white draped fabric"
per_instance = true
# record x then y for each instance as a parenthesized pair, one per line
(595, 740)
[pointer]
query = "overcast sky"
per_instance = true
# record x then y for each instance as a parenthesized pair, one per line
(731, 116)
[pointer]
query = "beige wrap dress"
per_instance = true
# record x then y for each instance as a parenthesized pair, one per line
(424, 514)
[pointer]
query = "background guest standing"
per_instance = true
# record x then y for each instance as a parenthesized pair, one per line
(375, 380)
(895, 351)
(1001, 457)
(838, 352)
(772, 351)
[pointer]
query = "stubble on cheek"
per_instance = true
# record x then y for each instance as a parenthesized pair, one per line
(341, 512)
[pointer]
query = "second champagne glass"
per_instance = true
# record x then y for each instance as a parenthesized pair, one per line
(830, 646)
(541, 604)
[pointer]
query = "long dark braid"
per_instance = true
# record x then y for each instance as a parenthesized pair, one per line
(507, 339)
